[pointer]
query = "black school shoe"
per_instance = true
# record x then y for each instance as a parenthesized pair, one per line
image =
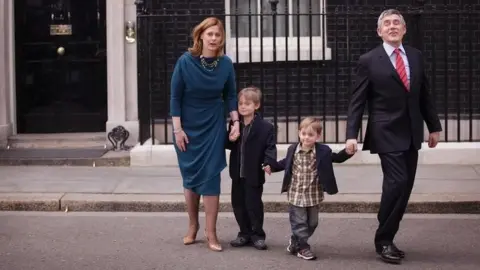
(259, 244)
(240, 241)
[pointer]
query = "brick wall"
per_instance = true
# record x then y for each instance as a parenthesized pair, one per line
(321, 87)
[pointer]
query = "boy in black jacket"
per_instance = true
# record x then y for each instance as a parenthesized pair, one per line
(308, 173)
(254, 149)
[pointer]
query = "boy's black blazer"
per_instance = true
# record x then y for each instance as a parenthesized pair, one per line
(325, 158)
(260, 149)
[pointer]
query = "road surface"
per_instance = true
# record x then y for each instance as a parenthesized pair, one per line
(141, 241)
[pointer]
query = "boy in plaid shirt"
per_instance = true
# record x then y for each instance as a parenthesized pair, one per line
(308, 173)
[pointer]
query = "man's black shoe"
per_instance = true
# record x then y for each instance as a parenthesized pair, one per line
(388, 255)
(400, 252)
(240, 241)
(260, 244)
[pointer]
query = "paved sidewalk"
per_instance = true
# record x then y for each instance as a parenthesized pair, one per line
(438, 189)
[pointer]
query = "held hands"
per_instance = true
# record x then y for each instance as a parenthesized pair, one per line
(267, 169)
(234, 131)
(232, 137)
(181, 140)
(351, 146)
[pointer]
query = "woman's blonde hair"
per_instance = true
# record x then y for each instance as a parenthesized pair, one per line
(196, 49)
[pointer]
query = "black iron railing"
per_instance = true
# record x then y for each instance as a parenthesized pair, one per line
(303, 54)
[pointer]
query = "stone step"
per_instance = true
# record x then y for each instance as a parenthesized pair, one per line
(86, 162)
(59, 140)
(74, 141)
(109, 159)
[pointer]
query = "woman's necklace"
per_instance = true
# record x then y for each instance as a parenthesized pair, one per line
(208, 66)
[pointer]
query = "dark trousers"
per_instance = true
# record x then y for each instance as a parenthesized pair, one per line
(304, 221)
(399, 169)
(248, 209)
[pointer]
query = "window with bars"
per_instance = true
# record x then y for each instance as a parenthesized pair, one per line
(300, 30)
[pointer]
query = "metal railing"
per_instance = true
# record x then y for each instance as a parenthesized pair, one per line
(303, 55)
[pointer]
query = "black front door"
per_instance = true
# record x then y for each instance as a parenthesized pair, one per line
(61, 66)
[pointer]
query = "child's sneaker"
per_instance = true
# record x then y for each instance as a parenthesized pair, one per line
(291, 247)
(306, 254)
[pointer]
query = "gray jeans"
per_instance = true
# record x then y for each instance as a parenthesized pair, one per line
(304, 221)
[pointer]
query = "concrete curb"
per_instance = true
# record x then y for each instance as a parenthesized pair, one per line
(30, 201)
(344, 203)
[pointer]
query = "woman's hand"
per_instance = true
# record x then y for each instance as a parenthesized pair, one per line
(181, 140)
(231, 137)
(234, 131)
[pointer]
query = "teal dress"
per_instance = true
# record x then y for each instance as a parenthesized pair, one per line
(199, 97)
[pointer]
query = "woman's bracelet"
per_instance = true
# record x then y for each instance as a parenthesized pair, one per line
(176, 131)
(236, 120)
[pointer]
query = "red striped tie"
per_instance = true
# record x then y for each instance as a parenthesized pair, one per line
(400, 66)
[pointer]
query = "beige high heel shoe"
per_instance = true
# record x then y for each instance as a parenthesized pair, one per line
(188, 240)
(213, 247)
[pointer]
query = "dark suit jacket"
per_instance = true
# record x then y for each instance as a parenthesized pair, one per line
(259, 149)
(325, 174)
(395, 116)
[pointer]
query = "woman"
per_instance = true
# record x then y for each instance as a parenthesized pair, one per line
(203, 79)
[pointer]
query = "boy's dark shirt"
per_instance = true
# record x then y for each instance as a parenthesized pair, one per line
(245, 130)
(259, 149)
(325, 160)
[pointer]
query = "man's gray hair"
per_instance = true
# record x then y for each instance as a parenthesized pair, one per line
(389, 12)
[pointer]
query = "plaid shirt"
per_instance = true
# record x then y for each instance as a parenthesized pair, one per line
(304, 190)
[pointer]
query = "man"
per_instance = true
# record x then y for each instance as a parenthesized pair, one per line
(391, 79)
